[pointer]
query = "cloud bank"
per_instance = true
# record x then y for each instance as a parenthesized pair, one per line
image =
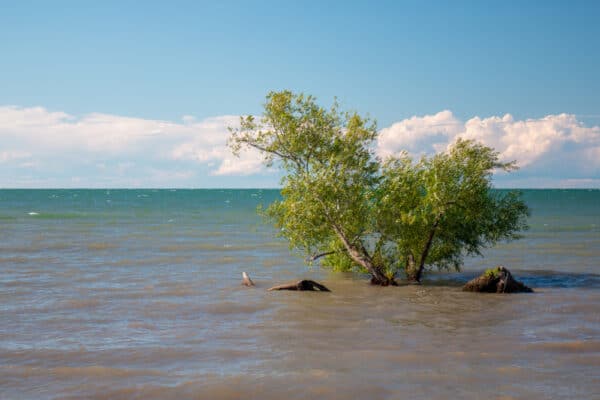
(556, 150)
(46, 148)
(42, 148)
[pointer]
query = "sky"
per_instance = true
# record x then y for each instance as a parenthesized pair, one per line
(140, 94)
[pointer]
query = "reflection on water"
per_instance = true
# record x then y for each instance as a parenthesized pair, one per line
(122, 304)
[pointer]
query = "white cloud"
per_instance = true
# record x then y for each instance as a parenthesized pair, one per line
(111, 145)
(210, 147)
(7, 156)
(39, 147)
(555, 145)
(531, 140)
(418, 134)
(249, 163)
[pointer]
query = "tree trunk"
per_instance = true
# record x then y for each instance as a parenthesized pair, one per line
(377, 276)
(413, 273)
(360, 256)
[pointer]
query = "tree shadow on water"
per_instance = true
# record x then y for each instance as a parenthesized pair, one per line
(534, 279)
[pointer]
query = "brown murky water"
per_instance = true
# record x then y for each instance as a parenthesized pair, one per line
(359, 341)
(139, 307)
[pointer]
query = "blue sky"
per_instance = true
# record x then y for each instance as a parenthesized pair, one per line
(96, 94)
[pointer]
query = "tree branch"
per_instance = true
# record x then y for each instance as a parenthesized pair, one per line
(315, 257)
(279, 154)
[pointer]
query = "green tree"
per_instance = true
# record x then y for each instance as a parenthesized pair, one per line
(340, 202)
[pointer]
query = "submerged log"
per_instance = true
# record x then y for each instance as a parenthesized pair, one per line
(246, 281)
(304, 284)
(496, 280)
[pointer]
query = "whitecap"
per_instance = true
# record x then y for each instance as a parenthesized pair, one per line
(33, 213)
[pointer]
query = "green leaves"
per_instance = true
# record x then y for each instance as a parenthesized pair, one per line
(449, 198)
(379, 216)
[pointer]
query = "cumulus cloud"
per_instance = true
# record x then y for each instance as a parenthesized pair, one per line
(418, 134)
(555, 145)
(104, 145)
(39, 147)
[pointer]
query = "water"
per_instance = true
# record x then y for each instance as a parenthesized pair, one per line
(119, 294)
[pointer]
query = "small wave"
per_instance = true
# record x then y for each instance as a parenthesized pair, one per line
(229, 308)
(15, 260)
(101, 246)
(81, 303)
(94, 371)
(204, 246)
(575, 346)
(141, 325)
(150, 261)
(60, 215)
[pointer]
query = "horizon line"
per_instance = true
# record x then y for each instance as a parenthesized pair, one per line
(250, 188)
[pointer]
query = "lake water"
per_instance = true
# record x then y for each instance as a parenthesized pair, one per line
(119, 294)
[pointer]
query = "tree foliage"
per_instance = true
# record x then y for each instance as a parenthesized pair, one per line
(379, 216)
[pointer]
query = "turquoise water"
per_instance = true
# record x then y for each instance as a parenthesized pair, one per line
(125, 293)
(74, 226)
(564, 235)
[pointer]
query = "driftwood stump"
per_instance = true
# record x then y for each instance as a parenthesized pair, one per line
(246, 281)
(496, 280)
(304, 284)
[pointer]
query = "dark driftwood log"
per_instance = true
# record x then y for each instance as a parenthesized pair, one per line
(496, 280)
(246, 281)
(304, 284)
(390, 282)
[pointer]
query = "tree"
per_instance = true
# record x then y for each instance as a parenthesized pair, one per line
(340, 202)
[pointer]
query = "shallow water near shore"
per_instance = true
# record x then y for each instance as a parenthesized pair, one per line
(119, 294)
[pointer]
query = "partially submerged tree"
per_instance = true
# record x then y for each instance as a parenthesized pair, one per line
(339, 201)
